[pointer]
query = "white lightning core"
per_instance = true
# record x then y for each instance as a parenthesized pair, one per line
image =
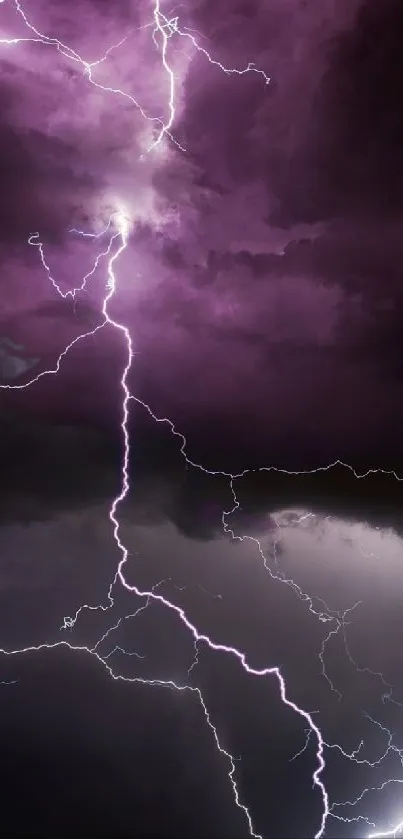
(164, 30)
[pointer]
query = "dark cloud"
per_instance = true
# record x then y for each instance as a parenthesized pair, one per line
(261, 285)
(52, 469)
(73, 310)
(362, 127)
(32, 176)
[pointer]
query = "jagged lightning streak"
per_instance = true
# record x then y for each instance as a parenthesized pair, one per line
(391, 748)
(198, 636)
(84, 335)
(170, 684)
(87, 67)
(201, 638)
(122, 224)
(165, 28)
(172, 27)
(122, 233)
(34, 240)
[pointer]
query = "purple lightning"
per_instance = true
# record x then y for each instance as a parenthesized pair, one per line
(165, 29)
(35, 242)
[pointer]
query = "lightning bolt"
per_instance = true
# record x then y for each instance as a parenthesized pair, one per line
(164, 30)
(36, 243)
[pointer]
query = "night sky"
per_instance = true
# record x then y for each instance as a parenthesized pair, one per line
(201, 413)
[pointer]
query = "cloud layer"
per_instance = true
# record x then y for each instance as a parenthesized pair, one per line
(263, 266)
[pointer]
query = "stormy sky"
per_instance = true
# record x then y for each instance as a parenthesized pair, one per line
(254, 150)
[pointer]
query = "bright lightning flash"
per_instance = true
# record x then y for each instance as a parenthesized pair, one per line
(165, 29)
(394, 832)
